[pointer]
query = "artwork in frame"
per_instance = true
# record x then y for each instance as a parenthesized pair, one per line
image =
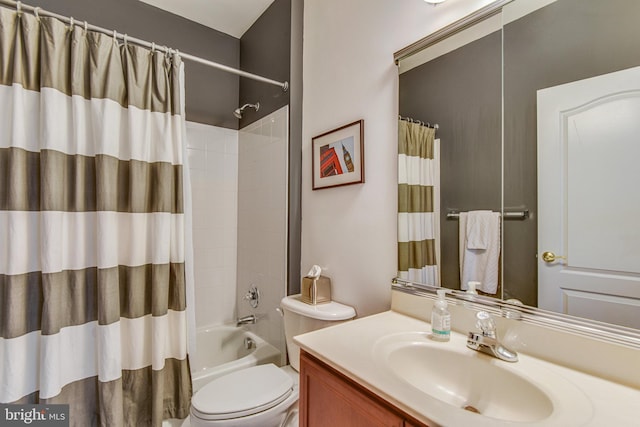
(338, 156)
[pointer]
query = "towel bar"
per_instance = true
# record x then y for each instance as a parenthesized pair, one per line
(506, 215)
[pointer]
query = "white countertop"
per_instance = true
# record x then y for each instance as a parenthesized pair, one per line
(349, 348)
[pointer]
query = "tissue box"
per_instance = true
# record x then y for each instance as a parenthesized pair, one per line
(316, 291)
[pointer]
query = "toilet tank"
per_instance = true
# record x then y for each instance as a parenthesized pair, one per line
(300, 318)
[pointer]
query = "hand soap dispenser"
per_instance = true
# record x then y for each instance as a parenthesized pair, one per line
(440, 318)
(470, 293)
(472, 287)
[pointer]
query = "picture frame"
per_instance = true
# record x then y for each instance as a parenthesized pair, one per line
(338, 156)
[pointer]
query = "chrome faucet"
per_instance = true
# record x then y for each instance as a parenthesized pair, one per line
(487, 340)
(246, 320)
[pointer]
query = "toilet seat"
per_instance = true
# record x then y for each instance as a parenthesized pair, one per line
(242, 393)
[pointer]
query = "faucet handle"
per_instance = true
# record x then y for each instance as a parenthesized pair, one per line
(486, 324)
(253, 296)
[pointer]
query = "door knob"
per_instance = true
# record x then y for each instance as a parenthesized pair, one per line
(551, 257)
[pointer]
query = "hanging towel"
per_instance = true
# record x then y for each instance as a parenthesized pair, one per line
(480, 265)
(479, 229)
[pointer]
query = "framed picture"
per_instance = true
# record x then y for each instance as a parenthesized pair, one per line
(338, 156)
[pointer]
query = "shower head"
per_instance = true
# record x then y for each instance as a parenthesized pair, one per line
(238, 111)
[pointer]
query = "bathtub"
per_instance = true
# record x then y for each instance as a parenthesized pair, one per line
(221, 350)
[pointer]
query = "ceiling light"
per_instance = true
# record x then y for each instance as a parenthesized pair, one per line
(434, 2)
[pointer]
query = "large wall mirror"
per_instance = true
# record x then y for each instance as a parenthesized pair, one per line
(538, 110)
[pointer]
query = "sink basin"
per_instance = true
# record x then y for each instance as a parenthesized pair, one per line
(471, 381)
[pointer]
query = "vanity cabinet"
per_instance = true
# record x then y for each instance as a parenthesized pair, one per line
(329, 398)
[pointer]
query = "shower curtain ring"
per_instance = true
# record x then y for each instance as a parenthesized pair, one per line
(71, 23)
(126, 43)
(153, 47)
(36, 12)
(86, 26)
(19, 8)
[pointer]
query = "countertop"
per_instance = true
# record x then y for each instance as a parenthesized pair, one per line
(349, 348)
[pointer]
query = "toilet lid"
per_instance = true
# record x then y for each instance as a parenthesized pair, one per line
(242, 393)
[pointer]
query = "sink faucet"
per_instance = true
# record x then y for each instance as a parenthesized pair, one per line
(487, 340)
(246, 320)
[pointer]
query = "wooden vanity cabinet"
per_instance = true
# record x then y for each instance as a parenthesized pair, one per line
(330, 399)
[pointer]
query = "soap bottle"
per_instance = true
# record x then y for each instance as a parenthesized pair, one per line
(440, 318)
(471, 288)
(470, 294)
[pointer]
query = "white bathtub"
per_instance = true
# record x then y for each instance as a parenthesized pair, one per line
(221, 350)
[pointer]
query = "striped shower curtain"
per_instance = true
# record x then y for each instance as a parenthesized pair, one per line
(416, 216)
(92, 264)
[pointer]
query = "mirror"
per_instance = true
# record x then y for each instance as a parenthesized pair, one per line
(480, 83)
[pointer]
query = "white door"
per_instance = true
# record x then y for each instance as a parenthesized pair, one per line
(589, 198)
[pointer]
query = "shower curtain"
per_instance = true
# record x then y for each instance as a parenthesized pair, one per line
(417, 218)
(92, 246)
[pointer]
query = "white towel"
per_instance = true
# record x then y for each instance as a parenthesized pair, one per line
(480, 265)
(479, 229)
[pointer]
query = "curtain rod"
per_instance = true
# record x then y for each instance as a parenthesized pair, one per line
(420, 122)
(37, 11)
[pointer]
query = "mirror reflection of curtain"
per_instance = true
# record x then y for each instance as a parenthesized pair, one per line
(92, 211)
(417, 215)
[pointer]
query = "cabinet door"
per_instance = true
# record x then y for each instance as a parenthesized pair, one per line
(328, 398)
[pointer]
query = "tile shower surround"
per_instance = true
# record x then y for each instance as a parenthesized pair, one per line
(239, 184)
(262, 221)
(213, 167)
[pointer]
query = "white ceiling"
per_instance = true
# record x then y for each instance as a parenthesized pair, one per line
(232, 17)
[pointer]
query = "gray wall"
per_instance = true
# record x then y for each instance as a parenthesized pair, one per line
(211, 95)
(295, 149)
(461, 92)
(265, 49)
(565, 41)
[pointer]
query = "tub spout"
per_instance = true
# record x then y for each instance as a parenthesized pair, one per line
(246, 320)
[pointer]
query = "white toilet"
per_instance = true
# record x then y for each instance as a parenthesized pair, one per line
(265, 395)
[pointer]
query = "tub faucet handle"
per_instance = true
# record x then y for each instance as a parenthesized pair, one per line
(253, 296)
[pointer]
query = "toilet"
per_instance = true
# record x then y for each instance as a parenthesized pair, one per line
(265, 395)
